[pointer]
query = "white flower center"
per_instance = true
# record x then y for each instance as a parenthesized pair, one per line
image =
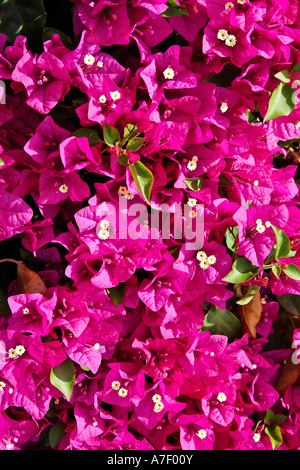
(221, 397)
(158, 407)
(230, 40)
(224, 107)
(169, 73)
(115, 95)
(222, 34)
(256, 437)
(63, 188)
(89, 59)
(201, 433)
(123, 392)
(115, 385)
(102, 99)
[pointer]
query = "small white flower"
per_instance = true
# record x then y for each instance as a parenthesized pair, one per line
(115, 95)
(12, 353)
(115, 385)
(192, 214)
(156, 398)
(212, 259)
(241, 2)
(192, 202)
(195, 158)
(25, 311)
(224, 107)
(102, 99)
(260, 228)
(20, 350)
(268, 224)
(221, 397)
(169, 73)
(63, 188)
(2, 385)
(100, 64)
(222, 34)
(104, 224)
(229, 5)
(258, 221)
(256, 183)
(89, 59)
(192, 165)
(96, 346)
(204, 264)
(256, 437)
(201, 433)
(103, 234)
(230, 40)
(201, 255)
(123, 392)
(158, 407)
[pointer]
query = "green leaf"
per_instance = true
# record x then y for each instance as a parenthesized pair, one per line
(283, 246)
(1, 162)
(249, 295)
(117, 293)
(283, 76)
(135, 144)
(275, 436)
(276, 270)
(130, 130)
(90, 134)
(23, 17)
(231, 235)
(63, 377)
(290, 302)
(293, 272)
(143, 179)
(242, 271)
(271, 418)
(123, 159)
(174, 9)
(221, 322)
(194, 184)
(282, 102)
(111, 135)
(56, 434)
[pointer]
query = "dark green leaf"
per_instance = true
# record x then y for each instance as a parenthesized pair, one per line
(231, 235)
(282, 243)
(194, 184)
(221, 322)
(63, 377)
(274, 434)
(293, 272)
(22, 17)
(143, 179)
(276, 270)
(123, 159)
(174, 9)
(111, 135)
(271, 418)
(117, 293)
(56, 434)
(290, 302)
(282, 102)
(242, 271)
(135, 144)
(90, 134)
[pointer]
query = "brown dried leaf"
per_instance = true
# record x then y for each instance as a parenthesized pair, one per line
(289, 375)
(250, 313)
(29, 282)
